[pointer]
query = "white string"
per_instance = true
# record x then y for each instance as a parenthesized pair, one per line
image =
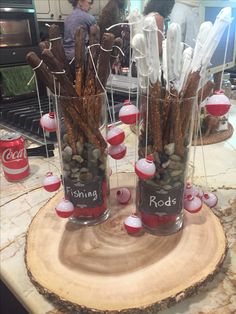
(225, 54)
(71, 61)
(40, 111)
(58, 127)
(124, 23)
(54, 39)
(59, 72)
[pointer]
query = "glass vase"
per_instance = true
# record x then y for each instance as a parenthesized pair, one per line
(165, 133)
(83, 151)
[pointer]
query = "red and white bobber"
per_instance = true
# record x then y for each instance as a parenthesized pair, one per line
(189, 189)
(218, 104)
(51, 183)
(123, 195)
(129, 113)
(133, 224)
(210, 199)
(115, 136)
(192, 204)
(48, 122)
(145, 168)
(64, 208)
(117, 152)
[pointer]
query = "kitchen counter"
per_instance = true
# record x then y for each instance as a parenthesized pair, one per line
(20, 201)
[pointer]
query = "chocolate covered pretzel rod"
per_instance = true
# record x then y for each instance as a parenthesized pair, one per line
(58, 49)
(56, 69)
(189, 93)
(103, 61)
(92, 58)
(80, 34)
(205, 91)
(41, 70)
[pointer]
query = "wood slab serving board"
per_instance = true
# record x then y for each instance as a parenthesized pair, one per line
(102, 269)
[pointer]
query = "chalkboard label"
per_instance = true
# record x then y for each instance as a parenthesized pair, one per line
(85, 195)
(156, 201)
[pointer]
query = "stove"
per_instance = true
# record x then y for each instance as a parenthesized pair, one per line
(23, 116)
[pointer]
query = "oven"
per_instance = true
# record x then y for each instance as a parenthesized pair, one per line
(19, 107)
(18, 32)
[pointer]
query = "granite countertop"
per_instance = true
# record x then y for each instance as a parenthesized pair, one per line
(20, 201)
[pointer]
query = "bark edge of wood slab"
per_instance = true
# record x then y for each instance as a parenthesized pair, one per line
(103, 270)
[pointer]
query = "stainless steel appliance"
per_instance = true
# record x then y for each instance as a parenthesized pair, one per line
(18, 31)
(19, 108)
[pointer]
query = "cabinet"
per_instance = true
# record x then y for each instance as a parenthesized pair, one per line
(57, 10)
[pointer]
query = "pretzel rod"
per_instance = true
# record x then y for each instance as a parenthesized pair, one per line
(178, 137)
(157, 136)
(189, 93)
(93, 136)
(55, 67)
(205, 91)
(94, 40)
(80, 34)
(58, 49)
(42, 71)
(103, 64)
(68, 124)
(44, 45)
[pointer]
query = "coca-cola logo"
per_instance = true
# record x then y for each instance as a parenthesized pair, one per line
(9, 155)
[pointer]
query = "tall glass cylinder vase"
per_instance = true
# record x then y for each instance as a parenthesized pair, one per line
(83, 150)
(165, 133)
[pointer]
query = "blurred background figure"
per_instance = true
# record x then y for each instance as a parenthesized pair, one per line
(161, 9)
(78, 17)
(186, 14)
(114, 12)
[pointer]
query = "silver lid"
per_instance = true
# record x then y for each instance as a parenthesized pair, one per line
(10, 136)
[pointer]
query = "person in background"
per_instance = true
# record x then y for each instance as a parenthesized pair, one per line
(113, 13)
(162, 9)
(78, 17)
(186, 14)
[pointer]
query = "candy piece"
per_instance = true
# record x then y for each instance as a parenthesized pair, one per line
(192, 204)
(129, 113)
(145, 167)
(218, 104)
(64, 209)
(48, 122)
(123, 195)
(133, 224)
(117, 152)
(210, 199)
(51, 183)
(115, 136)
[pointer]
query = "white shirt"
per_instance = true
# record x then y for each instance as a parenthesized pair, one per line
(192, 3)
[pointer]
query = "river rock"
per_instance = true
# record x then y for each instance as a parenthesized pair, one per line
(175, 165)
(175, 158)
(78, 158)
(169, 149)
(79, 147)
(96, 153)
(176, 173)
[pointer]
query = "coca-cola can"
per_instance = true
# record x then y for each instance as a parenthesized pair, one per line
(14, 156)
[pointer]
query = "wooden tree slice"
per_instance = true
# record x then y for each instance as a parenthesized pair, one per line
(102, 269)
(216, 137)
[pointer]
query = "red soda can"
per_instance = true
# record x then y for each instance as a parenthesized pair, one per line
(14, 156)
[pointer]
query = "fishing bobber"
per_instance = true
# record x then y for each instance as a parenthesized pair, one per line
(123, 195)
(192, 204)
(189, 189)
(115, 136)
(133, 224)
(218, 104)
(51, 183)
(64, 208)
(210, 199)
(129, 113)
(145, 168)
(117, 152)
(48, 122)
